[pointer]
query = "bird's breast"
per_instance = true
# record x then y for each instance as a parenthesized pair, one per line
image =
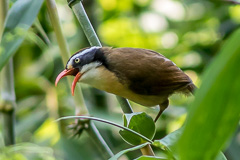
(103, 79)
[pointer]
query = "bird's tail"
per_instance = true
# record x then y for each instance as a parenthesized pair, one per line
(191, 88)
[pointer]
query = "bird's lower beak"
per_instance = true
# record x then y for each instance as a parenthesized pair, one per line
(73, 72)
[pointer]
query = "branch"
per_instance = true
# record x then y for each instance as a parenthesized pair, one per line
(107, 122)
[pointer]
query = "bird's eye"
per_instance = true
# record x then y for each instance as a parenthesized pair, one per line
(77, 60)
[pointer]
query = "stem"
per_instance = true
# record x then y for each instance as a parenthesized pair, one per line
(8, 99)
(93, 39)
(9, 127)
(78, 98)
(3, 14)
(107, 122)
(94, 134)
(65, 54)
(87, 27)
(42, 32)
(124, 104)
(147, 150)
(8, 103)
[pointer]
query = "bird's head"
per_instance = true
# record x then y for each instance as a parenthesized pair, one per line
(80, 63)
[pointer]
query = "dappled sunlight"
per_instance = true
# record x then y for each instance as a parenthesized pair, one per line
(173, 10)
(153, 22)
(235, 13)
(48, 131)
(169, 40)
(192, 8)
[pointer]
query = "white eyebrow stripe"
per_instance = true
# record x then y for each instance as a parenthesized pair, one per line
(85, 51)
(82, 53)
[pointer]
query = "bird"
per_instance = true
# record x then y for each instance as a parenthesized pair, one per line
(141, 75)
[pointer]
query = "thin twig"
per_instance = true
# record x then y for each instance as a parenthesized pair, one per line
(107, 122)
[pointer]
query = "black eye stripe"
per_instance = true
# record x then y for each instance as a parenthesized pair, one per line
(76, 54)
(83, 57)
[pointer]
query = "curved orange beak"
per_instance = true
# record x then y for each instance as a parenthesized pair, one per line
(72, 72)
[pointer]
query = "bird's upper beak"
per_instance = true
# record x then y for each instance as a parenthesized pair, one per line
(73, 72)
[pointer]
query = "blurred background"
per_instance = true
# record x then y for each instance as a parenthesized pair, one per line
(190, 33)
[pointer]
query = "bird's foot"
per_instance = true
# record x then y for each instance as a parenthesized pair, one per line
(78, 127)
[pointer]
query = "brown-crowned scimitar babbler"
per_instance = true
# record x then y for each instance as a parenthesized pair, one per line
(140, 75)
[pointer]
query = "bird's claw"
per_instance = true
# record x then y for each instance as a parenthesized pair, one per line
(78, 127)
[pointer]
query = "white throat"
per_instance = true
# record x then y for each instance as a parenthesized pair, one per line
(89, 72)
(90, 66)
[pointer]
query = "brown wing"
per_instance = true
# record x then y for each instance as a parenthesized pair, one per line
(146, 72)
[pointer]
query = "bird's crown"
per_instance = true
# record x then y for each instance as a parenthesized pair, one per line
(82, 57)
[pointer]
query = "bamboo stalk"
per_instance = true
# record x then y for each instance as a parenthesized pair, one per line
(3, 14)
(8, 103)
(78, 98)
(38, 25)
(8, 99)
(65, 54)
(93, 39)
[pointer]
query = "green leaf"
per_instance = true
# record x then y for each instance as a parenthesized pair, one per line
(20, 18)
(221, 156)
(141, 123)
(150, 158)
(119, 154)
(214, 115)
(169, 144)
(23, 151)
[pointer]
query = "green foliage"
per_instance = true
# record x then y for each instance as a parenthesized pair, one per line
(169, 145)
(19, 19)
(214, 115)
(150, 158)
(141, 123)
(188, 32)
(26, 151)
(72, 150)
(119, 154)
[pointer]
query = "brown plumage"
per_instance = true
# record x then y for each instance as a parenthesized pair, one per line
(147, 72)
(143, 76)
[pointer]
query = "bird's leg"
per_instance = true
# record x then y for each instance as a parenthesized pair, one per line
(162, 106)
